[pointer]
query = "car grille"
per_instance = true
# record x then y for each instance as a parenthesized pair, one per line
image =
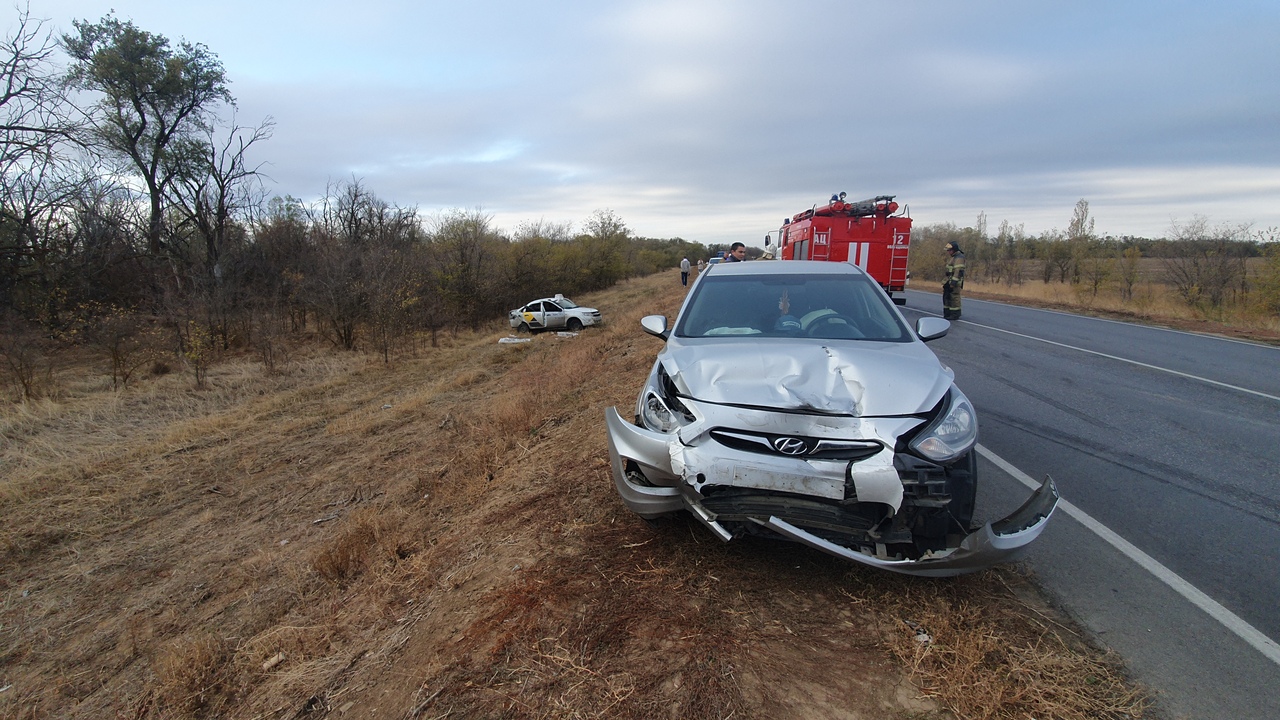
(797, 446)
(849, 524)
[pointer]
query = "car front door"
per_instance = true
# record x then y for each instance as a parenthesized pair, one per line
(553, 316)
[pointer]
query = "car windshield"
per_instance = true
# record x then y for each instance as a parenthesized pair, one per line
(566, 303)
(833, 307)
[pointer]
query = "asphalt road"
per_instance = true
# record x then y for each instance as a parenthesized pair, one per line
(1171, 441)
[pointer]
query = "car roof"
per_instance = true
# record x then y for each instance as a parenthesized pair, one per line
(787, 267)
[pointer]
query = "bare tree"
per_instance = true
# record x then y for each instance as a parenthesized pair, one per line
(39, 132)
(1006, 263)
(220, 185)
(1207, 262)
(36, 117)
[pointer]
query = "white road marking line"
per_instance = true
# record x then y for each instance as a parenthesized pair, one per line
(1127, 360)
(1228, 619)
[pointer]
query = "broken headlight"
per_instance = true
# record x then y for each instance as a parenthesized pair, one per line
(660, 409)
(951, 433)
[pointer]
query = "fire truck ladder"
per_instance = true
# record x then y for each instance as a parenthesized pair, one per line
(898, 262)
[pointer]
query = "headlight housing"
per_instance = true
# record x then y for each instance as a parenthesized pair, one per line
(659, 408)
(655, 414)
(951, 434)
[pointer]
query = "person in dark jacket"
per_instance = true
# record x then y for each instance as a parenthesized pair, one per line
(953, 283)
(737, 253)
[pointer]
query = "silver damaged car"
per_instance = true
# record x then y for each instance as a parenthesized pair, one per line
(792, 400)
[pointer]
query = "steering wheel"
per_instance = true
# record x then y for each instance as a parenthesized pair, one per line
(834, 326)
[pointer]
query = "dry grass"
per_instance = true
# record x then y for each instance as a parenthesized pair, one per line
(987, 647)
(440, 537)
(1152, 302)
(191, 675)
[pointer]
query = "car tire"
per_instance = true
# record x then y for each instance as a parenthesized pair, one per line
(574, 325)
(524, 328)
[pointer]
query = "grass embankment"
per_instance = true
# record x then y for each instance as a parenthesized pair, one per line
(440, 537)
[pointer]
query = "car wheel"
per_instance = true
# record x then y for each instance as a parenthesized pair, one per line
(524, 328)
(574, 325)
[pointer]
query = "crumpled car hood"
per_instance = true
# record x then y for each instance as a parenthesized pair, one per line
(863, 379)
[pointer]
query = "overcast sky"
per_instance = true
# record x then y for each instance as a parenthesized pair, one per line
(713, 120)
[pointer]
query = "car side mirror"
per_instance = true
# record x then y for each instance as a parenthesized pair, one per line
(932, 328)
(656, 325)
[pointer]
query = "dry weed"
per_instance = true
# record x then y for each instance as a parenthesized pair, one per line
(370, 536)
(194, 677)
(983, 651)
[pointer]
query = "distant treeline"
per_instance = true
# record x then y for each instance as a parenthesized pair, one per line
(1207, 266)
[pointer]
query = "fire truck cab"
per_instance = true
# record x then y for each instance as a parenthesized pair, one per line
(866, 233)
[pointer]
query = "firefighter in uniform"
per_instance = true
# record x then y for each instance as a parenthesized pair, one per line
(953, 283)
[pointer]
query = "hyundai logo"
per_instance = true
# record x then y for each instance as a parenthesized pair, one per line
(789, 445)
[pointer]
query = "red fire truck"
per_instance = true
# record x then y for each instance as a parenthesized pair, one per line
(865, 233)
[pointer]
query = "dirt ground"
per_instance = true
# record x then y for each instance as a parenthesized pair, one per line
(439, 537)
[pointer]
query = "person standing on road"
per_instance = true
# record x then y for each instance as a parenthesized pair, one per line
(953, 283)
(684, 271)
(737, 253)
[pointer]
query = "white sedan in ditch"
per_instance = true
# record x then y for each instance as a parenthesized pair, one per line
(553, 313)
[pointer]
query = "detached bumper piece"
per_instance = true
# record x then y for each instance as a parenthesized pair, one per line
(650, 485)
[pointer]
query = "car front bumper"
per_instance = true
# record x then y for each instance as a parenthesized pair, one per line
(673, 474)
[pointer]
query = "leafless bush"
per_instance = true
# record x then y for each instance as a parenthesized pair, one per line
(271, 346)
(26, 367)
(1008, 251)
(1208, 264)
(129, 340)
